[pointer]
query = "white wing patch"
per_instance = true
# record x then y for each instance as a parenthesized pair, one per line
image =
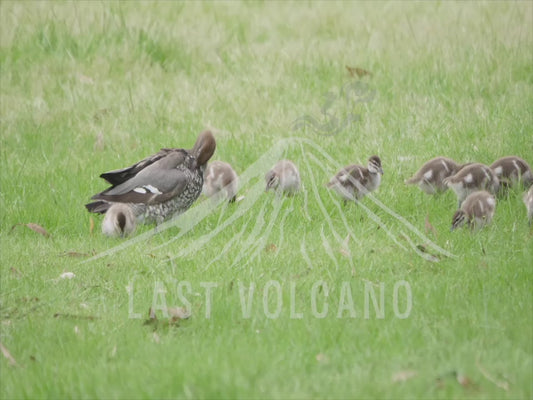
(498, 170)
(469, 178)
(147, 188)
(428, 174)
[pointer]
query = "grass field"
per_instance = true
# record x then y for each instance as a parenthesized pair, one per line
(293, 298)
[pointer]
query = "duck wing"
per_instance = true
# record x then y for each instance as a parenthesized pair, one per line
(154, 183)
(118, 176)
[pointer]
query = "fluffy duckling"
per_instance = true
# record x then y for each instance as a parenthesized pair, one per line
(472, 178)
(161, 185)
(119, 221)
(430, 177)
(283, 178)
(528, 201)
(511, 171)
(221, 179)
(353, 182)
(476, 211)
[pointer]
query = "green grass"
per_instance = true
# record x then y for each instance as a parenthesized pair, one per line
(88, 87)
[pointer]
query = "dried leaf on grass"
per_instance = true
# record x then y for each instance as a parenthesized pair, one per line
(34, 227)
(175, 315)
(178, 312)
(457, 377)
(429, 227)
(91, 225)
(271, 248)
(77, 254)
(345, 250)
(360, 72)
(8, 355)
(75, 316)
(16, 272)
(403, 376)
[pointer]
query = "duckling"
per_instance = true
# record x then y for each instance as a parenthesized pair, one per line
(283, 178)
(119, 220)
(160, 186)
(476, 211)
(511, 171)
(430, 177)
(472, 178)
(221, 179)
(353, 182)
(528, 201)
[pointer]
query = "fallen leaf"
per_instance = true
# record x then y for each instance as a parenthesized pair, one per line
(271, 247)
(178, 312)
(403, 376)
(429, 227)
(344, 250)
(239, 198)
(360, 72)
(86, 79)
(322, 358)
(156, 338)
(75, 316)
(8, 355)
(114, 351)
(91, 225)
(76, 330)
(34, 227)
(464, 380)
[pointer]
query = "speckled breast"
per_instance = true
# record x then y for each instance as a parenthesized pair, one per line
(160, 212)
